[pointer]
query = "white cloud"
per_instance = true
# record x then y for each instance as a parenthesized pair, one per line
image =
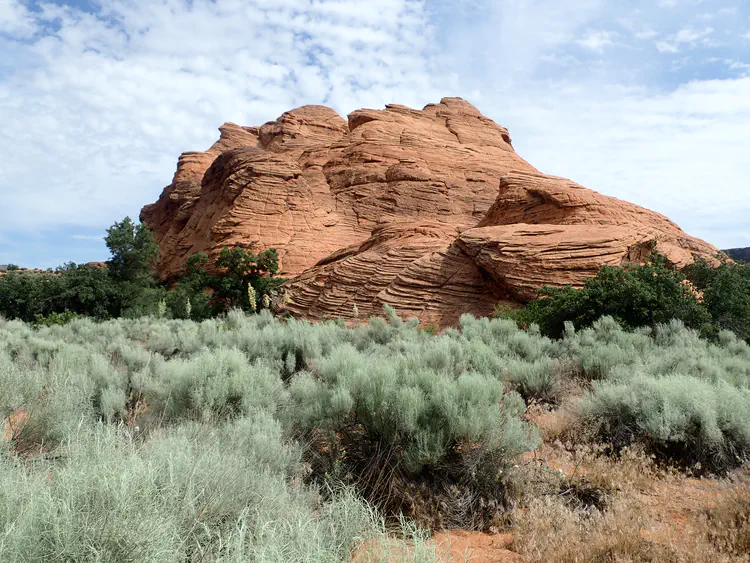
(596, 40)
(666, 47)
(514, 34)
(689, 35)
(686, 36)
(15, 19)
(675, 148)
(91, 130)
(95, 109)
(680, 153)
(646, 33)
(741, 66)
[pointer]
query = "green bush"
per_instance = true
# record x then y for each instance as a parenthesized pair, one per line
(127, 287)
(704, 297)
(54, 319)
(212, 385)
(405, 418)
(420, 414)
(230, 437)
(26, 294)
(245, 278)
(725, 294)
(680, 418)
(668, 389)
(634, 295)
(192, 493)
(534, 381)
(120, 453)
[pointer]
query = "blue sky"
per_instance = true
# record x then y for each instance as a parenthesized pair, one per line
(645, 101)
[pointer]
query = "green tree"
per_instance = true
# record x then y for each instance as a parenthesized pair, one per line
(237, 275)
(240, 268)
(133, 251)
(23, 295)
(87, 290)
(635, 295)
(725, 294)
(132, 265)
(189, 297)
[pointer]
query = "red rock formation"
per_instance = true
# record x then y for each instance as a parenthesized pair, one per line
(548, 230)
(415, 267)
(430, 211)
(309, 184)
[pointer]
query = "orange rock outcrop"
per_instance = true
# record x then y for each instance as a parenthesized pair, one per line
(430, 211)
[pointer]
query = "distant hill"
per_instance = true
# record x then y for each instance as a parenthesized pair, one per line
(739, 254)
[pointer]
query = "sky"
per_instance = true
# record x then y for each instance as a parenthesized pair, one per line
(648, 101)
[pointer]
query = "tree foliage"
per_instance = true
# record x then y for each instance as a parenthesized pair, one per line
(26, 294)
(241, 269)
(133, 250)
(725, 294)
(127, 287)
(703, 297)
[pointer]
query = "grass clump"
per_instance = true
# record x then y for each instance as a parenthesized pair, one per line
(727, 526)
(680, 418)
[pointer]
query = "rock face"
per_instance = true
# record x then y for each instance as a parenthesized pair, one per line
(430, 211)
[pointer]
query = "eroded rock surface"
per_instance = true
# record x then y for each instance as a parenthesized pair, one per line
(431, 211)
(311, 183)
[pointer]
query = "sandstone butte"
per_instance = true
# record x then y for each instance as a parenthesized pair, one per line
(430, 211)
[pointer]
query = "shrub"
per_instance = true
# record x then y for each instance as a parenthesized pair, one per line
(205, 470)
(634, 295)
(189, 494)
(128, 288)
(212, 385)
(401, 428)
(725, 294)
(25, 294)
(87, 290)
(681, 418)
(143, 389)
(54, 319)
(245, 278)
(534, 381)
(239, 430)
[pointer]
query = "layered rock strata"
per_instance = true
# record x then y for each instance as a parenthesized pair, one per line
(430, 211)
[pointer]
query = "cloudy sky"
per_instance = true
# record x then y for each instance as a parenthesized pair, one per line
(645, 100)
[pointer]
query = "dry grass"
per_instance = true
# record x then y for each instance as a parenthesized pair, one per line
(727, 526)
(550, 530)
(690, 521)
(14, 423)
(577, 504)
